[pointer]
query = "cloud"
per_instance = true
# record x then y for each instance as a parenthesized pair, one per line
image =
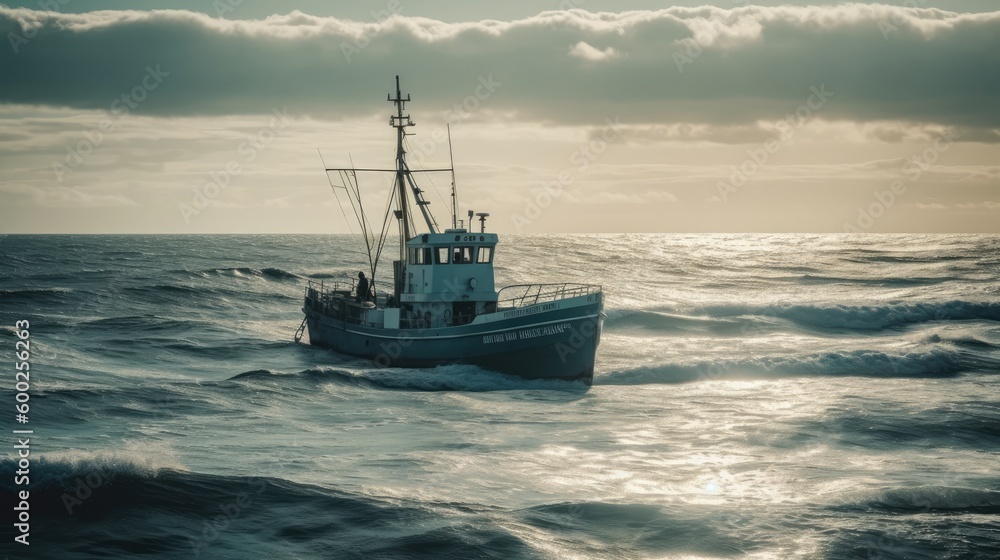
(587, 52)
(686, 132)
(737, 67)
(985, 205)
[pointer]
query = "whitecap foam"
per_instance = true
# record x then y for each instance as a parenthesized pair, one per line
(137, 458)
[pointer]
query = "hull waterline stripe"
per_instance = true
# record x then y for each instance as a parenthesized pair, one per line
(475, 333)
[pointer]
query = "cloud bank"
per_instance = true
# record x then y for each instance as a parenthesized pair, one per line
(708, 66)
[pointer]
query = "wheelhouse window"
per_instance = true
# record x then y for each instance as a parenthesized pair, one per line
(442, 255)
(420, 255)
(485, 255)
(463, 255)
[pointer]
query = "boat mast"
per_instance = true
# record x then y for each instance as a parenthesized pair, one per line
(403, 175)
(454, 192)
(400, 122)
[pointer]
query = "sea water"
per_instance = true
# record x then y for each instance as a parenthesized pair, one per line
(755, 396)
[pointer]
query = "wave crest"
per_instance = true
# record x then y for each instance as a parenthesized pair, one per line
(936, 363)
(246, 271)
(865, 317)
(931, 499)
(62, 468)
(441, 378)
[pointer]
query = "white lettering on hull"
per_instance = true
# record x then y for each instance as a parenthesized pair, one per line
(525, 334)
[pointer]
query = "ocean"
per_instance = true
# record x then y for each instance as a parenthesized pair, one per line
(755, 396)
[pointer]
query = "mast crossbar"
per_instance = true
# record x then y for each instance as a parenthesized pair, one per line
(390, 170)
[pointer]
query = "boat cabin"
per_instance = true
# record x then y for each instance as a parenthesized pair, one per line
(448, 278)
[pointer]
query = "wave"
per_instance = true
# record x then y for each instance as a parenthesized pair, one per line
(35, 295)
(916, 259)
(969, 342)
(820, 279)
(113, 504)
(59, 469)
(441, 378)
(931, 499)
(244, 272)
(187, 295)
(254, 374)
(636, 529)
(154, 324)
(278, 273)
(169, 288)
(864, 317)
(139, 402)
(664, 322)
(975, 425)
(866, 363)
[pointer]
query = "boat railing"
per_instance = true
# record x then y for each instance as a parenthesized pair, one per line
(523, 295)
(337, 286)
(335, 299)
(320, 293)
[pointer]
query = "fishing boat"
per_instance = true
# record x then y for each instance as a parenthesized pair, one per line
(443, 306)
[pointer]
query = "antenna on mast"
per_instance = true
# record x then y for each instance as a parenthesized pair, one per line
(400, 122)
(454, 191)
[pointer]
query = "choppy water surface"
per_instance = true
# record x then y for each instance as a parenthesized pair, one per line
(756, 396)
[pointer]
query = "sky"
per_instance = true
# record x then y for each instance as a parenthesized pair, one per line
(566, 116)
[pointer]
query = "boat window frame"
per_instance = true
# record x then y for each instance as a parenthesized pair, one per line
(463, 251)
(420, 256)
(488, 249)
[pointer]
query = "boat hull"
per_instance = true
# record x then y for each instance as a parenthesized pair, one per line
(556, 343)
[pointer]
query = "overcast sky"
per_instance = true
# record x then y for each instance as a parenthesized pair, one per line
(209, 117)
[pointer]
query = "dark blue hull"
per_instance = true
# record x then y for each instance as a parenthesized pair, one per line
(557, 344)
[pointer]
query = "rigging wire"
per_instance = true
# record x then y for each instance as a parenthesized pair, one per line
(346, 178)
(369, 238)
(436, 191)
(353, 190)
(340, 204)
(384, 234)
